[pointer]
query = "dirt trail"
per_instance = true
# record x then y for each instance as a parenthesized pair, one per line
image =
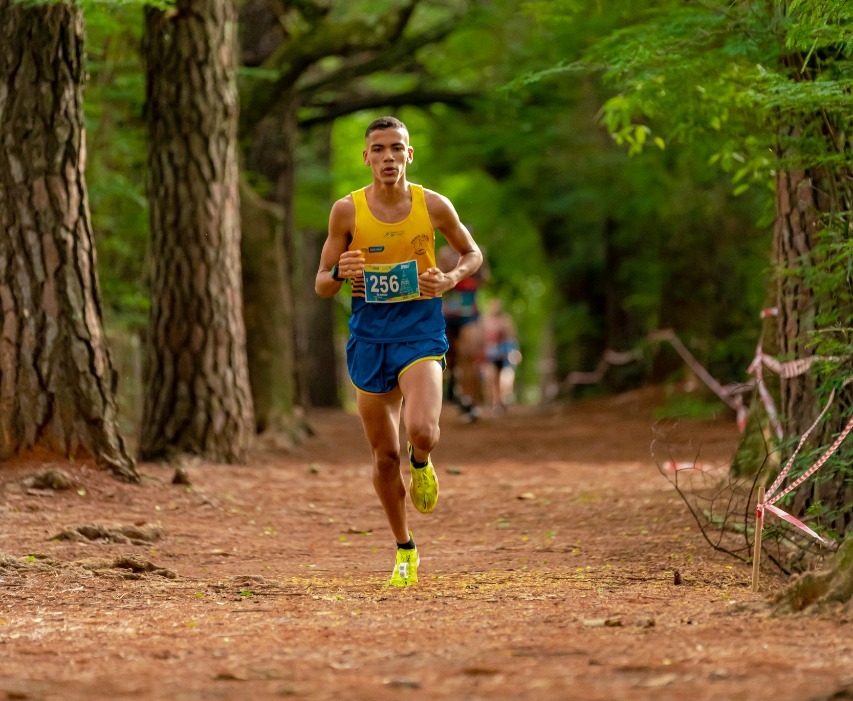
(548, 572)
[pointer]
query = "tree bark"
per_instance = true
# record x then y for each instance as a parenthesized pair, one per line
(197, 398)
(288, 352)
(315, 317)
(315, 320)
(805, 199)
(794, 237)
(57, 382)
(270, 304)
(270, 343)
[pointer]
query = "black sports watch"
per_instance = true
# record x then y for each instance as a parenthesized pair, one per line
(334, 273)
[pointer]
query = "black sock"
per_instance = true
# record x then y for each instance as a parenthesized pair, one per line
(407, 546)
(417, 464)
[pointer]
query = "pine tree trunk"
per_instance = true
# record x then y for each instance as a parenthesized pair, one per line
(315, 316)
(315, 321)
(794, 237)
(270, 298)
(57, 382)
(285, 197)
(805, 203)
(270, 350)
(198, 398)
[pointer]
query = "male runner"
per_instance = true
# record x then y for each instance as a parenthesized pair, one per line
(382, 239)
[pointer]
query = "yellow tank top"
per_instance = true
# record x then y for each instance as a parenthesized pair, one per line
(397, 242)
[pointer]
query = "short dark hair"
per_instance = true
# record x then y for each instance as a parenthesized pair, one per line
(384, 123)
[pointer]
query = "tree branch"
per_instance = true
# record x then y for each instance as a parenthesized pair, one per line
(327, 112)
(370, 48)
(393, 55)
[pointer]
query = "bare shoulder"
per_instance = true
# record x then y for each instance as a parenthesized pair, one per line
(344, 206)
(436, 200)
(440, 208)
(342, 215)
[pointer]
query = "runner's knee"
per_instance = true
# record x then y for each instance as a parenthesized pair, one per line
(424, 435)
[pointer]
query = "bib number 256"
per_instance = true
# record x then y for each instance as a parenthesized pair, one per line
(393, 282)
(384, 285)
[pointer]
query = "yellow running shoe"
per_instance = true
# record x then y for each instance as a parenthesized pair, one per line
(424, 485)
(405, 568)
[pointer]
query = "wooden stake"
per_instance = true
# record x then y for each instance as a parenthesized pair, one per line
(756, 547)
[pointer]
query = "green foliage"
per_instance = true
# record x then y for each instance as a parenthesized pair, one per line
(680, 405)
(833, 276)
(690, 70)
(661, 237)
(769, 84)
(569, 223)
(821, 24)
(95, 6)
(109, 6)
(116, 142)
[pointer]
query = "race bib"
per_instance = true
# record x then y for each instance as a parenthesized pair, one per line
(392, 282)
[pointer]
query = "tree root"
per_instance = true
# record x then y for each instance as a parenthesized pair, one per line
(126, 535)
(136, 567)
(821, 590)
(123, 566)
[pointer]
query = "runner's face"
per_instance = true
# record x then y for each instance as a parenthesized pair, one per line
(387, 152)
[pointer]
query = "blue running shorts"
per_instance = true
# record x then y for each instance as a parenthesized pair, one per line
(375, 368)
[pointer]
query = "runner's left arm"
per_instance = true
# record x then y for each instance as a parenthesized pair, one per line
(433, 282)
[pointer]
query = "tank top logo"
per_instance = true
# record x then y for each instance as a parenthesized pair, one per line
(391, 234)
(420, 243)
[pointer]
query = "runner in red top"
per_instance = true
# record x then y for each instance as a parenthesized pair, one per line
(464, 336)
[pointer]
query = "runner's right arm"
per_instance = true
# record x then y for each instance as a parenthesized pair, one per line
(350, 263)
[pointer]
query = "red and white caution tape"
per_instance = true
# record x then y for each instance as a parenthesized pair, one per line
(814, 468)
(786, 370)
(771, 497)
(755, 369)
(693, 364)
(791, 368)
(622, 357)
(731, 396)
(792, 520)
(741, 414)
